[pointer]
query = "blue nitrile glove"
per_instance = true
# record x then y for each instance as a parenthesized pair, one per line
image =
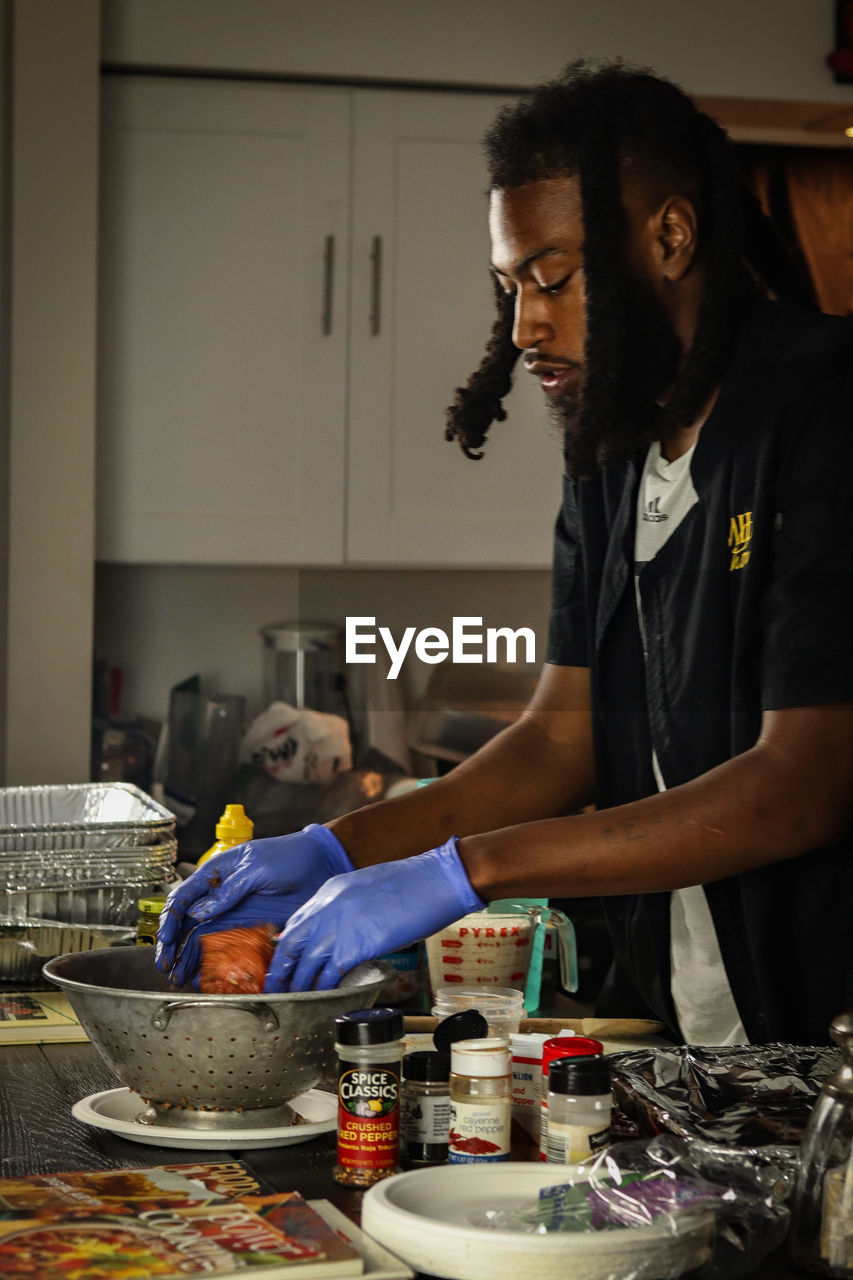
(266, 880)
(368, 913)
(184, 969)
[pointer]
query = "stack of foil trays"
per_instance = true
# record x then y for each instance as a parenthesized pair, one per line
(74, 861)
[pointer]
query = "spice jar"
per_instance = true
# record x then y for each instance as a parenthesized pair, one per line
(502, 1007)
(579, 1107)
(821, 1237)
(148, 918)
(560, 1047)
(480, 1101)
(370, 1048)
(526, 1085)
(425, 1110)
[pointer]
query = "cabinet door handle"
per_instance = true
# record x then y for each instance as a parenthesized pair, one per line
(376, 285)
(328, 285)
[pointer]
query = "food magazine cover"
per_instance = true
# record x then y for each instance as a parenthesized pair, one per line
(179, 1220)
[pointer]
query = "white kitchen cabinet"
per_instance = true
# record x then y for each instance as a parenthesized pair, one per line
(223, 299)
(293, 282)
(422, 311)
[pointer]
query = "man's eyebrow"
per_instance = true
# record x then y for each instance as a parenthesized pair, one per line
(524, 263)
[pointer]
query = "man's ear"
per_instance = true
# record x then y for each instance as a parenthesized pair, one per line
(676, 238)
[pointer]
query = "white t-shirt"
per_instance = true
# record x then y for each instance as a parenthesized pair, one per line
(704, 1004)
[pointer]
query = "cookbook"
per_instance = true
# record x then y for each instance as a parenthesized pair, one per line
(38, 1017)
(202, 1219)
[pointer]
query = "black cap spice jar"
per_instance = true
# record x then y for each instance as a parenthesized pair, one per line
(425, 1115)
(579, 1107)
(370, 1048)
(560, 1047)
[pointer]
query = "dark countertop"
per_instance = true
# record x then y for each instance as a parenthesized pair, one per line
(38, 1134)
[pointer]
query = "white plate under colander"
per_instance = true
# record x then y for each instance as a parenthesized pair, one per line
(117, 1110)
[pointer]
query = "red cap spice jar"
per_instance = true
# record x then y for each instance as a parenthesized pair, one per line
(370, 1050)
(560, 1047)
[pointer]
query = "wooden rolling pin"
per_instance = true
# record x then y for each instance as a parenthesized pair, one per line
(599, 1028)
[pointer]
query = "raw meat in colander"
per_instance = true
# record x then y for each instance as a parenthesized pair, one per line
(235, 961)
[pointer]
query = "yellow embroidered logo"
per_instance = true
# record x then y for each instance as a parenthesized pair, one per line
(740, 533)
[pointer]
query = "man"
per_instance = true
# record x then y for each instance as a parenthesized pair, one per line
(698, 684)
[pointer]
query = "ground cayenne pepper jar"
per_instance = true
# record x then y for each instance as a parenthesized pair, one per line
(480, 1101)
(370, 1050)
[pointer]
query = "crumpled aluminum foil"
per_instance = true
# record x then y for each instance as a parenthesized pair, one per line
(754, 1098)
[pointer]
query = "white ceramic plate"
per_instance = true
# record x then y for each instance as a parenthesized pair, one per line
(425, 1217)
(117, 1110)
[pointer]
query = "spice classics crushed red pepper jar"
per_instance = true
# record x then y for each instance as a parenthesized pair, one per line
(480, 1101)
(370, 1050)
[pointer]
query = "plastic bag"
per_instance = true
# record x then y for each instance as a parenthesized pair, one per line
(295, 745)
(668, 1205)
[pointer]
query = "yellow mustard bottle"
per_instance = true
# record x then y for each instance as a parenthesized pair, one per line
(232, 828)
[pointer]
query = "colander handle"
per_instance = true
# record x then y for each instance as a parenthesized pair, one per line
(164, 1012)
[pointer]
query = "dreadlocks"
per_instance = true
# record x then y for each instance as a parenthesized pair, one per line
(600, 124)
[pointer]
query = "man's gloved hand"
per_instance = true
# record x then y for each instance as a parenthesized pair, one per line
(184, 969)
(265, 880)
(369, 913)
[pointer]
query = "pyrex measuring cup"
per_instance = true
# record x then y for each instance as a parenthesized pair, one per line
(492, 948)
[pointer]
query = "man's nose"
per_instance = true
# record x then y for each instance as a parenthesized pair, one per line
(530, 326)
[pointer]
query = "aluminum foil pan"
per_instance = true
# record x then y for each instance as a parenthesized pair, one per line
(110, 905)
(16, 858)
(753, 1098)
(25, 945)
(87, 815)
(40, 870)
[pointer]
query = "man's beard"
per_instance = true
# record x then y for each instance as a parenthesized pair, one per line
(610, 417)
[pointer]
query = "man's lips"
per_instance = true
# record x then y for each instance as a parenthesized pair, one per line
(555, 378)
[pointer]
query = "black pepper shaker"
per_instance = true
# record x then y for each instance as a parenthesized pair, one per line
(425, 1111)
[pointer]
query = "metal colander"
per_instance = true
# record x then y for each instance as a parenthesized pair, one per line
(206, 1061)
